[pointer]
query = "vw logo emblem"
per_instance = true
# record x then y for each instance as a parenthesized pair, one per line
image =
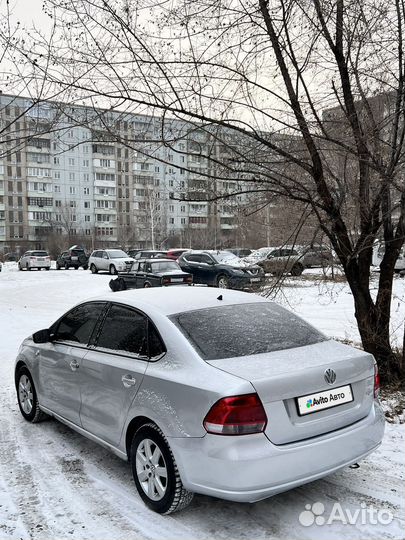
(330, 376)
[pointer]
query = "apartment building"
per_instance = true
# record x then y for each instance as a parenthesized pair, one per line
(105, 178)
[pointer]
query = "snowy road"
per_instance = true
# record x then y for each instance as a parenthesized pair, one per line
(55, 484)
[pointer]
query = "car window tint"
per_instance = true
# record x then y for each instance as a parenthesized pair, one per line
(206, 259)
(245, 329)
(156, 347)
(123, 330)
(39, 253)
(79, 323)
(196, 257)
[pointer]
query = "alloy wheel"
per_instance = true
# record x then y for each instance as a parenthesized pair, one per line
(151, 469)
(25, 394)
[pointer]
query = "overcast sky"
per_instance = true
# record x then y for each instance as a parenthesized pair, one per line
(28, 12)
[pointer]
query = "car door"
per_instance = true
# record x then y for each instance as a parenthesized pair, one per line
(104, 261)
(140, 275)
(191, 263)
(272, 261)
(60, 360)
(112, 371)
(207, 270)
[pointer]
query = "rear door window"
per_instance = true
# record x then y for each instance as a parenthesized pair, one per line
(124, 331)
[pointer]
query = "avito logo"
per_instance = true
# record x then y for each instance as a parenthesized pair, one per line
(309, 403)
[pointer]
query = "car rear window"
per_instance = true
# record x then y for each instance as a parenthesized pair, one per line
(39, 253)
(244, 329)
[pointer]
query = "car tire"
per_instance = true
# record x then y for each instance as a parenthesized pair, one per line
(76, 267)
(85, 267)
(157, 478)
(28, 267)
(27, 397)
(112, 270)
(222, 282)
(93, 269)
(147, 285)
(19, 267)
(57, 267)
(47, 268)
(297, 269)
(67, 266)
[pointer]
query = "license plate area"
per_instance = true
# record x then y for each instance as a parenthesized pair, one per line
(254, 279)
(319, 401)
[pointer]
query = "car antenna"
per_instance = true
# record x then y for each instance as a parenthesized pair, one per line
(220, 297)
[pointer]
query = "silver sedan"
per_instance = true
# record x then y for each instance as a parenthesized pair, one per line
(225, 394)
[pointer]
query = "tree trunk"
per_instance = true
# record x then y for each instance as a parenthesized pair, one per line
(373, 324)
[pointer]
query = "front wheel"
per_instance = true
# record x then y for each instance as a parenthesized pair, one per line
(155, 472)
(93, 269)
(27, 396)
(223, 282)
(113, 270)
(85, 267)
(297, 269)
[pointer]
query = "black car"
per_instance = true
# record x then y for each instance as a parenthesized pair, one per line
(151, 273)
(221, 269)
(74, 257)
(149, 254)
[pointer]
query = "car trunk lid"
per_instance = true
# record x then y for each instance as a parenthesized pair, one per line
(281, 377)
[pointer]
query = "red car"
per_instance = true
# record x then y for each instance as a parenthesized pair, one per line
(175, 253)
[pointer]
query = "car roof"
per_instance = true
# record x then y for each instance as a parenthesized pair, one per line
(171, 300)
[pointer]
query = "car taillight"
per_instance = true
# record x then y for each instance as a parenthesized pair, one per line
(376, 381)
(33, 258)
(166, 281)
(236, 415)
(188, 279)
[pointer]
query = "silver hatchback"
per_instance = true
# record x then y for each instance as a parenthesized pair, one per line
(225, 394)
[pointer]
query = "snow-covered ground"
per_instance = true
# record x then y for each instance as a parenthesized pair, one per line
(55, 484)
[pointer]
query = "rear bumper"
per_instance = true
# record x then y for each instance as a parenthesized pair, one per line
(250, 468)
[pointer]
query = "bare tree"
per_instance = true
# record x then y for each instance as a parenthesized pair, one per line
(255, 76)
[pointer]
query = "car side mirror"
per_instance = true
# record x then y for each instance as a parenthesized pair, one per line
(42, 336)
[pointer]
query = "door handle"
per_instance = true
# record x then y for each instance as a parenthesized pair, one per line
(74, 365)
(128, 380)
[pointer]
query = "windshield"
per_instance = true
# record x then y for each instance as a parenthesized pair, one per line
(225, 257)
(116, 254)
(244, 329)
(165, 266)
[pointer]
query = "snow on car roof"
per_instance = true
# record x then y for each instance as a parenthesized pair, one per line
(172, 300)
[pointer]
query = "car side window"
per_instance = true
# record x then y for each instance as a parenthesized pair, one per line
(124, 330)
(79, 323)
(195, 258)
(141, 267)
(156, 346)
(105, 255)
(275, 253)
(148, 267)
(206, 259)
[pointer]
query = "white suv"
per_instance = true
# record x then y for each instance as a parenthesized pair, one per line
(34, 259)
(112, 260)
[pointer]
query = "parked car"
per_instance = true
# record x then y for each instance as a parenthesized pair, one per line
(316, 256)
(133, 252)
(221, 269)
(283, 261)
(227, 395)
(240, 252)
(150, 254)
(34, 259)
(175, 253)
(151, 273)
(258, 255)
(111, 260)
(74, 257)
(378, 254)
